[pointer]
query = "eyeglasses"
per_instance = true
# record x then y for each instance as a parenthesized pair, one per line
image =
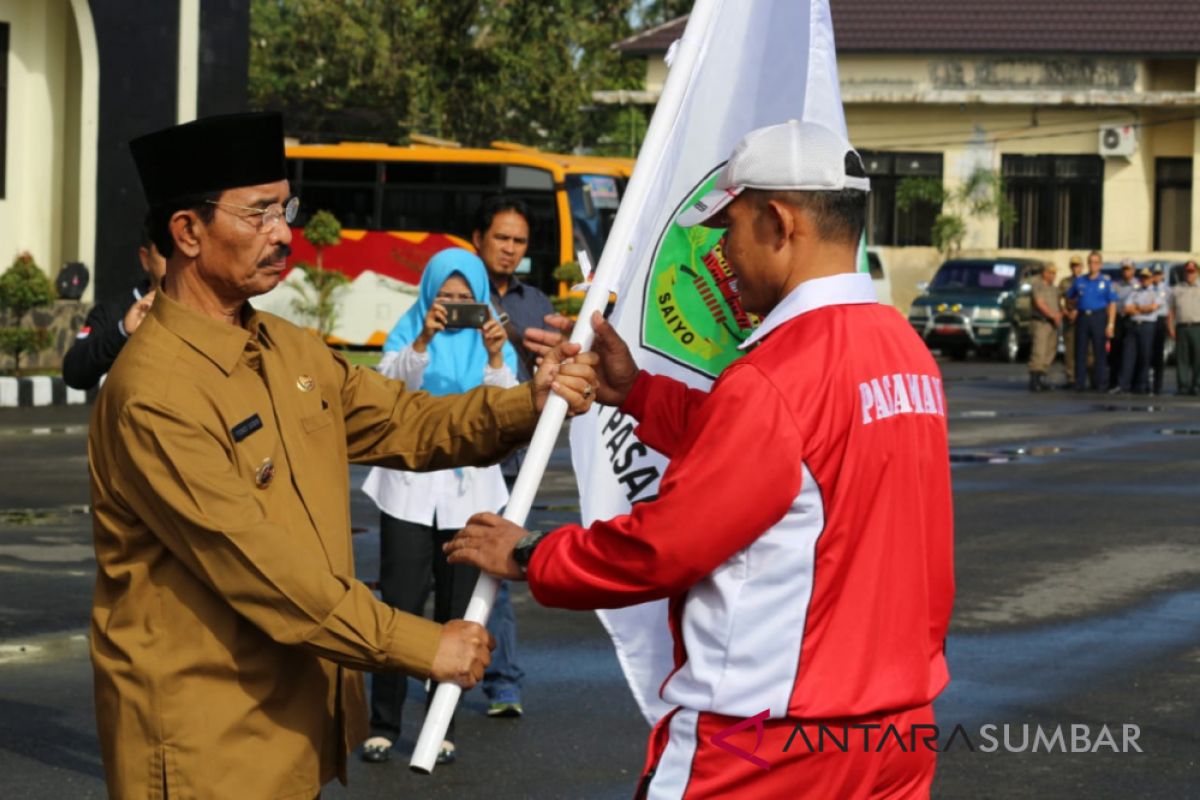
(267, 217)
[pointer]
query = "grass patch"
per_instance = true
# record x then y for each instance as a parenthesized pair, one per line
(362, 358)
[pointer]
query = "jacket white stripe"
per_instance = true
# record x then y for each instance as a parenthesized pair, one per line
(674, 768)
(743, 625)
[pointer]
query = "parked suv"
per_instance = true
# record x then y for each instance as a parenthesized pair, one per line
(980, 304)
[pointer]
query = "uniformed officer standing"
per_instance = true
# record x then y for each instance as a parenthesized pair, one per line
(1096, 306)
(1069, 313)
(109, 325)
(1158, 347)
(1124, 286)
(228, 629)
(1043, 328)
(1183, 325)
(1141, 308)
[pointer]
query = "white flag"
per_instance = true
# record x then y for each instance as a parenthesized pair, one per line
(741, 64)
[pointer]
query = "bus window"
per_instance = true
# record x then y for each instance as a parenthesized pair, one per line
(344, 188)
(593, 200)
(425, 196)
(445, 197)
(518, 178)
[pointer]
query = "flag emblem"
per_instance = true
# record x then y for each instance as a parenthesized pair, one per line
(692, 312)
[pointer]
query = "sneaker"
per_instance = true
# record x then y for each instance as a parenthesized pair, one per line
(505, 710)
(377, 749)
(506, 703)
(446, 753)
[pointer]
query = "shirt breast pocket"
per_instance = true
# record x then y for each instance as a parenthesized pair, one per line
(317, 421)
(321, 435)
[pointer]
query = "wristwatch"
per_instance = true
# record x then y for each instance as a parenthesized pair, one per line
(523, 551)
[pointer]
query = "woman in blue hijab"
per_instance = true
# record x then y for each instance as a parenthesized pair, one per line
(419, 512)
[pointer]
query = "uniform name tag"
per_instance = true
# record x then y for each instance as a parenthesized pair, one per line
(246, 427)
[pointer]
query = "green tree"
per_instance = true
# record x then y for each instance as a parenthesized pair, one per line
(23, 287)
(980, 196)
(317, 299)
(323, 230)
(468, 70)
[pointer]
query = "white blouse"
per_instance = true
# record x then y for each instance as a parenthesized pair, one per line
(450, 496)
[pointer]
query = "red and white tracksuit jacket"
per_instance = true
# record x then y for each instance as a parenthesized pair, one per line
(803, 530)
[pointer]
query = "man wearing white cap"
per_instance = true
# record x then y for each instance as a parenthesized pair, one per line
(803, 530)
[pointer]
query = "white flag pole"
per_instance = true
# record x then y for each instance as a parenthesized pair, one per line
(617, 248)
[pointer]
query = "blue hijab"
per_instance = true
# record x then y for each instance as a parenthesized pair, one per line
(456, 357)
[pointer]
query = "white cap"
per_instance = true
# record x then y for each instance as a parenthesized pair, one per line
(792, 157)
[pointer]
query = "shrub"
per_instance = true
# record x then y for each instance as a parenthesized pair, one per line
(323, 230)
(23, 287)
(317, 299)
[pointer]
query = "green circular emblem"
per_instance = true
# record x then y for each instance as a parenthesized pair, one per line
(692, 313)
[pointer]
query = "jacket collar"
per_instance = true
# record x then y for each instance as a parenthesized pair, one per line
(220, 342)
(851, 288)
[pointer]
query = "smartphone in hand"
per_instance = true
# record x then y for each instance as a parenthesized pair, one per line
(466, 315)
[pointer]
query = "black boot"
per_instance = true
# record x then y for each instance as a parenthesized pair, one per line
(1043, 385)
(1035, 384)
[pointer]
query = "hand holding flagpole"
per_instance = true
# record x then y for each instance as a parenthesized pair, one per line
(441, 710)
(612, 263)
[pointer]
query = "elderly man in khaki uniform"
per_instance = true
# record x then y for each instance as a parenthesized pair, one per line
(1183, 325)
(1067, 307)
(228, 629)
(1043, 328)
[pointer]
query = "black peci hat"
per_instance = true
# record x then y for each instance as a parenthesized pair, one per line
(210, 154)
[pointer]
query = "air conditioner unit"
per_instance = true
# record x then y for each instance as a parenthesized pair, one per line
(1118, 140)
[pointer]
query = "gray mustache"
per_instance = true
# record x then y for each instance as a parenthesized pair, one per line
(281, 252)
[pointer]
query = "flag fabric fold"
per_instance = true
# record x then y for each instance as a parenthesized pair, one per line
(751, 63)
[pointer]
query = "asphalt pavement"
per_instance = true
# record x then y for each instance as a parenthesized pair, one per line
(1077, 612)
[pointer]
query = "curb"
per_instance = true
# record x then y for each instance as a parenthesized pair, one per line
(41, 390)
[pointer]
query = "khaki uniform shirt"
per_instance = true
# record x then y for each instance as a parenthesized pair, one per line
(1047, 293)
(1185, 302)
(226, 609)
(1063, 286)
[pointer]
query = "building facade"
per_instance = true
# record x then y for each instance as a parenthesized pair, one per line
(78, 80)
(1086, 109)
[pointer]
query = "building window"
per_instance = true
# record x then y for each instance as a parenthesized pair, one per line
(887, 224)
(1172, 204)
(1057, 200)
(3, 103)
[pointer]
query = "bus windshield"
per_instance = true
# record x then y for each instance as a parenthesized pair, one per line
(593, 200)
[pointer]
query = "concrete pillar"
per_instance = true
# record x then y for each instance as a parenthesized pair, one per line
(189, 60)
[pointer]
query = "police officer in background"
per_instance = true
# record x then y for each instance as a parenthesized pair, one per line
(1043, 328)
(1096, 305)
(1124, 286)
(1141, 309)
(1183, 325)
(1158, 347)
(109, 325)
(1068, 314)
